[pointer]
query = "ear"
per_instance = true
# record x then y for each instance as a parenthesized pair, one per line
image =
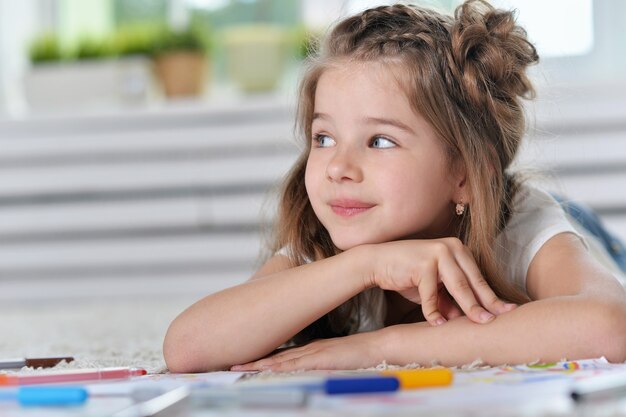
(461, 191)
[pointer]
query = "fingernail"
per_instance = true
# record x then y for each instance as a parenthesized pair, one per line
(486, 316)
(440, 321)
(235, 367)
(510, 306)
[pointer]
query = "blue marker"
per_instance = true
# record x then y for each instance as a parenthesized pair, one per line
(361, 385)
(334, 385)
(46, 396)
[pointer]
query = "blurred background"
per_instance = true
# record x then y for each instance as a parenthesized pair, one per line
(140, 140)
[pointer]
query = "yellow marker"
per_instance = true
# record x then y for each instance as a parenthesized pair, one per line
(421, 378)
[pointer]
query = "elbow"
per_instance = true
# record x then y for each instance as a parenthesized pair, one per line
(176, 355)
(608, 331)
(182, 353)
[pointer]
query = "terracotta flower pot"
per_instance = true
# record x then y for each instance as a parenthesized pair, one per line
(181, 73)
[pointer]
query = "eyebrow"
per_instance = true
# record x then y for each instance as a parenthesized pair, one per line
(323, 116)
(372, 120)
(389, 122)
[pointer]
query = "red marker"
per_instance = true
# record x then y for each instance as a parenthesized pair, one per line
(75, 375)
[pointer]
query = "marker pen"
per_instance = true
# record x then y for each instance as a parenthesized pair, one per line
(361, 385)
(45, 396)
(74, 375)
(34, 362)
(235, 397)
(422, 378)
(367, 383)
(604, 387)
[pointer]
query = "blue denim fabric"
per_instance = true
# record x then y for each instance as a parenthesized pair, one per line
(590, 221)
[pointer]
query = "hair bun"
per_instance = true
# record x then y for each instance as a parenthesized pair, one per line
(491, 52)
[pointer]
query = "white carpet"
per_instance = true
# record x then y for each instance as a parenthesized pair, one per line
(97, 333)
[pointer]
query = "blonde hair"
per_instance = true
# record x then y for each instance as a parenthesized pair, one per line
(465, 74)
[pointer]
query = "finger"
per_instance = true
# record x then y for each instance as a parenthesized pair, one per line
(428, 292)
(288, 352)
(295, 352)
(448, 308)
(320, 359)
(480, 287)
(412, 294)
(258, 364)
(291, 364)
(245, 367)
(286, 358)
(457, 284)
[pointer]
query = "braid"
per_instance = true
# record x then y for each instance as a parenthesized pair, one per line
(385, 30)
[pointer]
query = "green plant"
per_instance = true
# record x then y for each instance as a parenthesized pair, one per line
(305, 41)
(143, 39)
(90, 48)
(137, 39)
(45, 48)
(191, 39)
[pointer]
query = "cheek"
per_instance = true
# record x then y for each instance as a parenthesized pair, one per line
(310, 180)
(412, 189)
(396, 182)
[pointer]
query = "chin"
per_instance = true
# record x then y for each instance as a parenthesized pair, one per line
(344, 244)
(347, 243)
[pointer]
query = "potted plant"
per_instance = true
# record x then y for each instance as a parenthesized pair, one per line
(180, 60)
(94, 73)
(256, 55)
(45, 48)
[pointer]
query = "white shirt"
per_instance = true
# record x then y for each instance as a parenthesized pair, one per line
(536, 217)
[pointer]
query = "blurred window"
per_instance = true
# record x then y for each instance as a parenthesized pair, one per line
(127, 12)
(221, 13)
(556, 27)
(579, 41)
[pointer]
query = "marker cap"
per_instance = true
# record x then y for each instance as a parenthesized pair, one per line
(422, 378)
(8, 379)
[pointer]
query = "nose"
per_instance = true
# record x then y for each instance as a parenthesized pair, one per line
(344, 166)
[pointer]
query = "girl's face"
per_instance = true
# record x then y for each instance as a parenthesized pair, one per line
(376, 171)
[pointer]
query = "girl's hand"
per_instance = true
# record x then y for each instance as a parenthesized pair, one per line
(418, 269)
(361, 350)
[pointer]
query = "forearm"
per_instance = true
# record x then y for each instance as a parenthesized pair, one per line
(571, 327)
(250, 320)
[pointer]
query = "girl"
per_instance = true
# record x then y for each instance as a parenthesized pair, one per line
(402, 236)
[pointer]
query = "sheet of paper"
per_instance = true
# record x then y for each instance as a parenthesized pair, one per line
(164, 382)
(524, 389)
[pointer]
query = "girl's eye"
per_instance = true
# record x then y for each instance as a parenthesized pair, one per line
(323, 141)
(382, 143)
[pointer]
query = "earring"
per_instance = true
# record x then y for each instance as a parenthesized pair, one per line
(460, 209)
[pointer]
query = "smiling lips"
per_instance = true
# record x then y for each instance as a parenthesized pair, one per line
(349, 208)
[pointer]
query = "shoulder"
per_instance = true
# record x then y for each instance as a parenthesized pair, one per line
(533, 204)
(564, 266)
(536, 217)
